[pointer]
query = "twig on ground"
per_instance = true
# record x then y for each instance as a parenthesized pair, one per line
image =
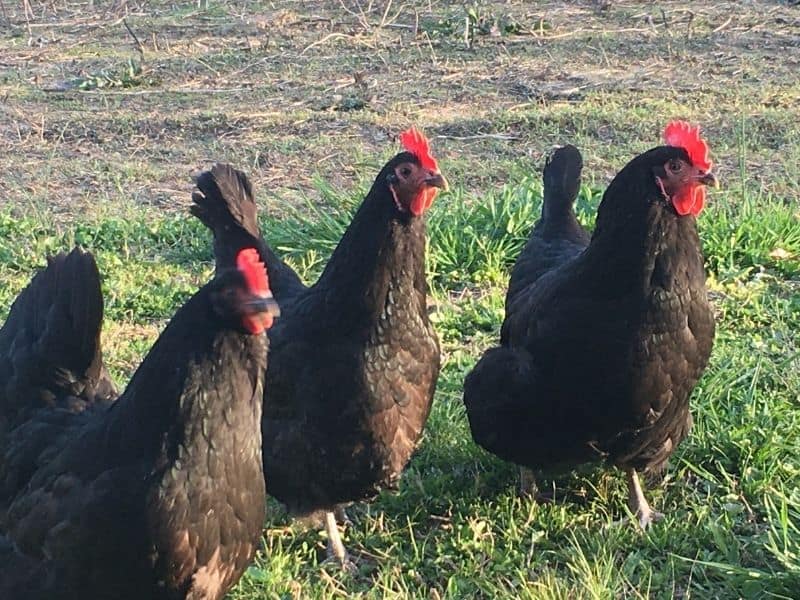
(207, 66)
(139, 46)
(435, 60)
(331, 36)
(723, 26)
(249, 66)
(386, 13)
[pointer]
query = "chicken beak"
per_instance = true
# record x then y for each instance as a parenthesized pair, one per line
(709, 179)
(264, 304)
(437, 180)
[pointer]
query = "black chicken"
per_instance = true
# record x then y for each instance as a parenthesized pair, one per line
(354, 359)
(601, 347)
(161, 495)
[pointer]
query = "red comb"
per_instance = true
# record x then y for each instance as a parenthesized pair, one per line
(255, 274)
(683, 135)
(415, 142)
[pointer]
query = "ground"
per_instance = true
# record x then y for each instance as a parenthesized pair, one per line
(106, 112)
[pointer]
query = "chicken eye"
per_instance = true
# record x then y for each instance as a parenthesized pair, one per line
(675, 166)
(405, 171)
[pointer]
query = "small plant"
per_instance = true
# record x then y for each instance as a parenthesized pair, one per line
(484, 22)
(129, 76)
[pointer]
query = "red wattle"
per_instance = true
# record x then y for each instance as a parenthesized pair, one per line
(257, 324)
(690, 201)
(422, 201)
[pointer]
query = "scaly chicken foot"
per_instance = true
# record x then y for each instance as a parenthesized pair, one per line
(638, 503)
(336, 550)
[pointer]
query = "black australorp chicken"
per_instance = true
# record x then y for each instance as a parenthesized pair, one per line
(354, 359)
(601, 347)
(162, 494)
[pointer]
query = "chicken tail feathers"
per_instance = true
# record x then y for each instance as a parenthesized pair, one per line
(224, 203)
(50, 352)
(497, 396)
(562, 180)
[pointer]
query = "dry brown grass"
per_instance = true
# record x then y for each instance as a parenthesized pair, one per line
(104, 106)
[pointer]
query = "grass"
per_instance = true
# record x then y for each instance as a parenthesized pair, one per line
(457, 526)
(101, 140)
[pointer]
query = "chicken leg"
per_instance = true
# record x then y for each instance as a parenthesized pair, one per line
(336, 550)
(638, 503)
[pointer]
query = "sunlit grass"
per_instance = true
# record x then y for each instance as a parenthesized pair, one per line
(457, 525)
